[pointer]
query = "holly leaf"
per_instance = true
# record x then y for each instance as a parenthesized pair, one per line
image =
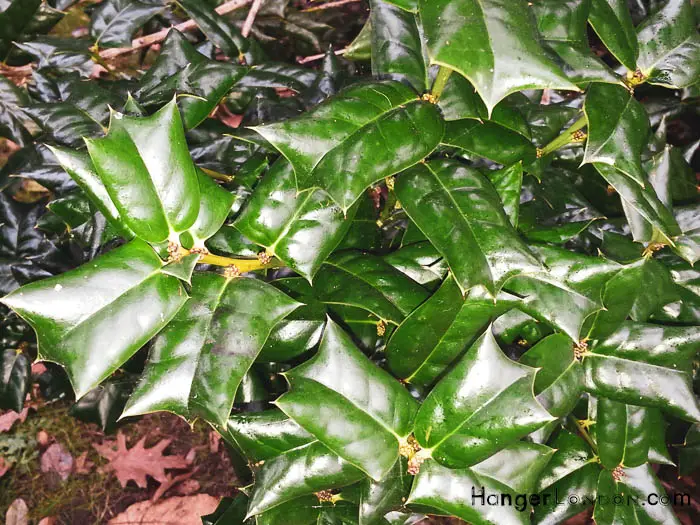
(360, 136)
(114, 22)
(372, 433)
(688, 244)
(461, 214)
(146, 168)
(458, 492)
(647, 365)
(15, 379)
(472, 412)
(123, 291)
(440, 329)
(397, 49)
(64, 123)
(613, 24)
(669, 46)
(377, 498)
(489, 140)
(623, 434)
(302, 229)
(618, 127)
(136, 463)
(478, 38)
(563, 28)
(199, 360)
(12, 117)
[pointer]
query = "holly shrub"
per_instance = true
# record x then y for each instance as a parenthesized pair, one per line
(448, 273)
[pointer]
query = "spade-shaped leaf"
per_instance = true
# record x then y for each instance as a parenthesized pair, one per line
(114, 22)
(669, 46)
(618, 127)
(478, 39)
(350, 386)
(483, 404)
(439, 330)
(92, 319)
(461, 213)
(199, 360)
(302, 229)
(363, 134)
(146, 168)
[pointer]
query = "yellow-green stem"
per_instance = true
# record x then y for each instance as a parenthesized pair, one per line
(243, 265)
(584, 433)
(563, 139)
(441, 79)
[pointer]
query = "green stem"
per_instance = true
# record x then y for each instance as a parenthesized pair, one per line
(584, 433)
(440, 82)
(563, 139)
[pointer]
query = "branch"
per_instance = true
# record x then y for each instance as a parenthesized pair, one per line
(313, 58)
(329, 5)
(154, 38)
(248, 24)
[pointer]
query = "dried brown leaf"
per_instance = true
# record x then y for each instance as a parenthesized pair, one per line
(57, 459)
(18, 513)
(138, 462)
(10, 417)
(185, 510)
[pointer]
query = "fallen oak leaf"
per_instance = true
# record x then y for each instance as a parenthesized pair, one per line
(4, 466)
(18, 513)
(138, 462)
(57, 459)
(82, 464)
(184, 510)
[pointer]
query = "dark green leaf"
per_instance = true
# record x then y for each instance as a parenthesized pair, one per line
(439, 330)
(669, 46)
(482, 405)
(13, 20)
(15, 379)
(64, 123)
(114, 22)
(199, 359)
(92, 319)
(612, 22)
(618, 127)
(490, 140)
(461, 213)
(12, 118)
(622, 433)
(363, 134)
(478, 38)
(350, 384)
(508, 182)
(302, 229)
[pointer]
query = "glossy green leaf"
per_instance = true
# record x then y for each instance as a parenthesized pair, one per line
(421, 262)
(618, 128)
(12, 118)
(508, 182)
(472, 412)
(14, 18)
(221, 32)
(215, 206)
(350, 385)
(104, 404)
(656, 428)
(639, 482)
(572, 471)
(458, 493)
(92, 319)
(79, 166)
(199, 359)
(689, 455)
(645, 365)
(378, 498)
(297, 472)
(461, 213)
(439, 330)
(147, 171)
(478, 39)
(15, 379)
(398, 50)
(645, 213)
(612, 22)
(559, 381)
(669, 46)
(363, 134)
(366, 281)
(688, 244)
(489, 140)
(114, 22)
(562, 25)
(622, 434)
(64, 122)
(302, 229)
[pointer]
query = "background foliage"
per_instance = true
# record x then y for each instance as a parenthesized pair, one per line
(454, 252)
